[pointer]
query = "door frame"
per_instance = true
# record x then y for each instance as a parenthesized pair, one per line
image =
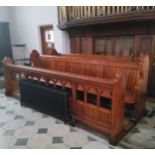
(41, 28)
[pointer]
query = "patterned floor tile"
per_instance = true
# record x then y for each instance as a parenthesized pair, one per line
(2, 112)
(135, 130)
(95, 145)
(90, 139)
(18, 117)
(57, 140)
(2, 124)
(2, 131)
(57, 146)
(76, 148)
(33, 116)
(73, 129)
(9, 132)
(29, 123)
(14, 124)
(144, 121)
(45, 115)
(10, 112)
(45, 122)
(75, 139)
(7, 141)
(59, 130)
(20, 147)
(39, 141)
(2, 107)
(19, 127)
(26, 132)
(24, 111)
(5, 118)
(21, 142)
(42, 130)
(58, 122)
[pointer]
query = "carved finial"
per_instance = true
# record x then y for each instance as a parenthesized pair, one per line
(34, 55)
(118, 75)
(7, 60)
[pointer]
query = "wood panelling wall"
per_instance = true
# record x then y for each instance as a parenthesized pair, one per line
(126, 38)
(116, 39)
(117, 45)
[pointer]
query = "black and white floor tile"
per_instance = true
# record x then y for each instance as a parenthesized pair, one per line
(1, 82)
(25, 128)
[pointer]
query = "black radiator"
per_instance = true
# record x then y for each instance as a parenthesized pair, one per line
(52, 101)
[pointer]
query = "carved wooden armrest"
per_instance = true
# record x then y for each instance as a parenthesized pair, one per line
(140, 86)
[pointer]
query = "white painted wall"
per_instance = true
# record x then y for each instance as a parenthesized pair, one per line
(4, 14)
(24, 27)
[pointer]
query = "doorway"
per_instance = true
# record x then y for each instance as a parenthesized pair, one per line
(47, 39)
(5, 43)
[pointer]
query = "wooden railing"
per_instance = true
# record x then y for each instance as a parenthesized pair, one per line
(72, 13)
(108, 121)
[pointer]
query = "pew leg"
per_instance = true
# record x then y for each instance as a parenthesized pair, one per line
(8, 93)
(139, 106)
(114, 140)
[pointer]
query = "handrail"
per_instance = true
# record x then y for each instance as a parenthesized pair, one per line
(38, 72)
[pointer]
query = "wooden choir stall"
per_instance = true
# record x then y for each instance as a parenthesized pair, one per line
(105, 92)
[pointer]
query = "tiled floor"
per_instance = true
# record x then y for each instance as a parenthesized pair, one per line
(22, 127)
(1, 82)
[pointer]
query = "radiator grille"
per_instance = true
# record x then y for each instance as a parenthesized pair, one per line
(45, 99)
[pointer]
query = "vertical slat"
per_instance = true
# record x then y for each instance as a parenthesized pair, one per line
(98, 99)
(121, 8)
(117, 9)
(85, 96)
(60, 13)
(89, 11)
(69, 12)
(65, 13)
(75, 12)
(108, 9)
(85, 11)
(63, 17)
(81, 11)
(93, 11)
(103, 10)
(126, 8)
(79, 15)
(98, 10)
(72, 8)
(113, 9)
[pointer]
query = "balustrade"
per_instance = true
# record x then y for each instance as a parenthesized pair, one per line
(72, 13)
